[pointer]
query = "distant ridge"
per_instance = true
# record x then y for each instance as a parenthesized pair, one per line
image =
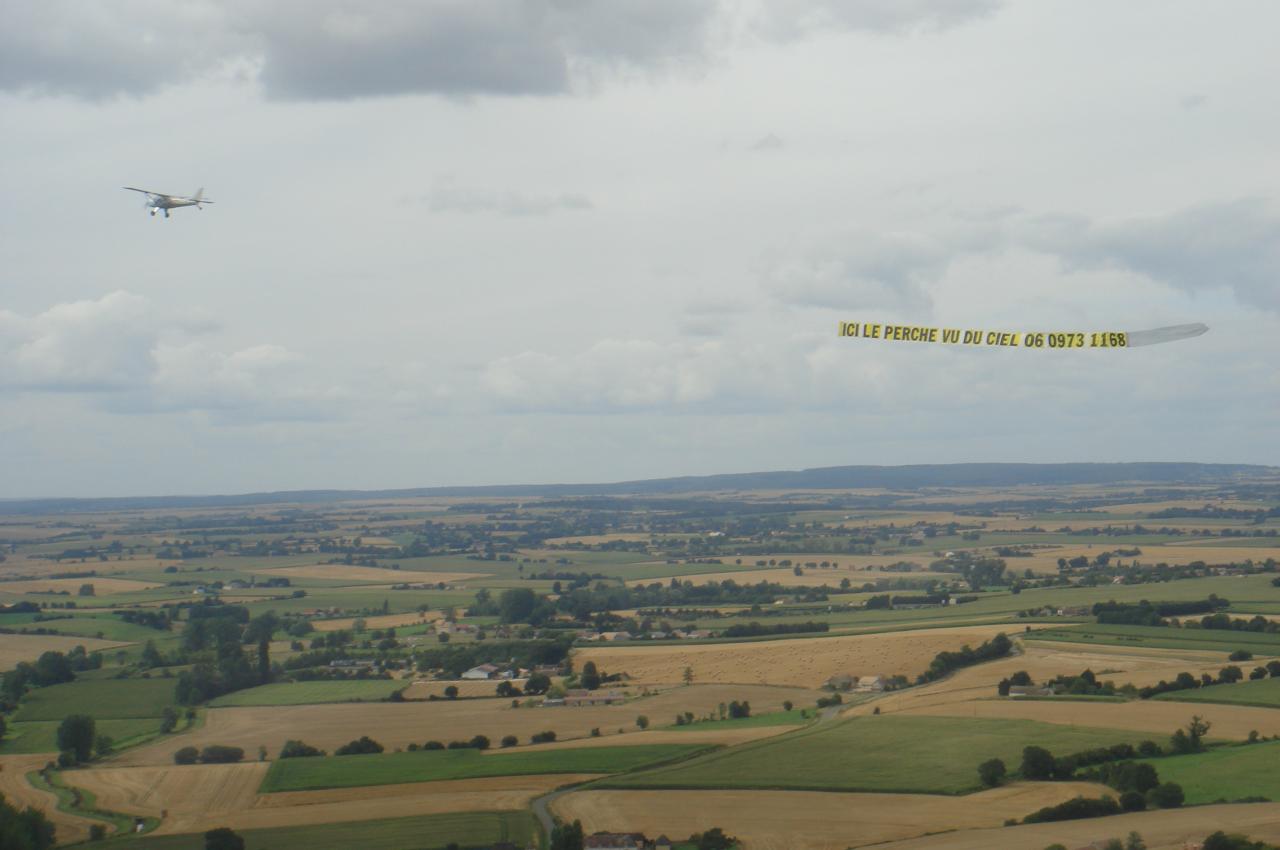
(823, 478)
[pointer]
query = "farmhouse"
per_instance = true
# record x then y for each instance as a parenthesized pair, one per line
(1017, 691)
(584, 697)
(484, 671)
(617, 841)
(842, 682)
(871, 683)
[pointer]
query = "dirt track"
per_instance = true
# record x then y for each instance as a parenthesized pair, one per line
(807, 820)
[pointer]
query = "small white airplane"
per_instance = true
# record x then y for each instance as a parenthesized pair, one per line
(157, 201)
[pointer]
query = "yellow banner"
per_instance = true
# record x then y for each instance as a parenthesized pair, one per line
(985, 337)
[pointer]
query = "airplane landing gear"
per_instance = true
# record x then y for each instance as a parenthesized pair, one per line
(166, 213)
(153, 213)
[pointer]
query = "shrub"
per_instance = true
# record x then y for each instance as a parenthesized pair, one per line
(1166, 796)
(992, 772)
(186, 755)
(480, 742)
(222, 838)
(433, 745)
(542, 737)
(1132, 801)
(297, 749)
(97, 832)
(361, 746)
(509, 740)
(220, 754)
(1037, 763)
(1080, 807)
(1240, 655)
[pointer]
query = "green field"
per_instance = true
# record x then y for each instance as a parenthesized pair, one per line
(302, 693)
(42, 736)
(1263, 692)
(303, 774)
(934, 755)
(102, 699)
(1160, 637)
(425, 832)
(1225, 773)
(88, 625)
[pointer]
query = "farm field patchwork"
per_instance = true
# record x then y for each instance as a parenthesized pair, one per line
(1261, 692)
(328, 726)
(394, 768)
(885, 753)
(779, 820)
(42, 736)
(16, 648)
(1224, 774)
(806, 662)
(468, 829)
(1160, 637)
(303, 693)
(100, 698)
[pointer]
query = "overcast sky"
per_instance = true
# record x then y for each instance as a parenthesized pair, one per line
(505, 241)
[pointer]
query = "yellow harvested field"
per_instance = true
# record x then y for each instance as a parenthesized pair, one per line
(971, 692)
(382, 621)
(423, 688)
(102, 585)
(1167, 829)
(15, 648)
(17, 792)
(342, 572)
(196, 798)
(1157, 717)
(809, 820)
(803, 662)
(399, 724)
(1045, 561)
(811, 577)
(207, 790)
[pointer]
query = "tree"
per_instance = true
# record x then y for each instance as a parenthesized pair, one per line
(27, 829)
(168, 719)
(590, 677)
(297, 750)
(506, 689)
(712, 839)
(1037, 763)
(451, 692)
(186, 755)
(1134, 842)
(102, 745)
(688, 675)
(361, 746)
(537, 683)
(85, 590)
(76, 736)
(1133, 801)
(1166, 796)
(480, 742)
(516, 604)
(509, 740)
(992, 772)
(222, 838)
(566, 837)
(3, 727)
(1197, 728)
(259, 631)
(642, 722)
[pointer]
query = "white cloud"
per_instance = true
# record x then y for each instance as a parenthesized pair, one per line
(134, 358)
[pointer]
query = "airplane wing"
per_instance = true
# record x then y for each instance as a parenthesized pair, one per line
(143, 191)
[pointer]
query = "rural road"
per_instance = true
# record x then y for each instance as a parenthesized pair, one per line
(542, 811)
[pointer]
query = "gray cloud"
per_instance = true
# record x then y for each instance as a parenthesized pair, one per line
(1233, 246)
(448, 195)
(341, 49)
(791, 19)
(344, 49)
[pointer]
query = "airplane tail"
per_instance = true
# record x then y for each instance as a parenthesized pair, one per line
(199, 195)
